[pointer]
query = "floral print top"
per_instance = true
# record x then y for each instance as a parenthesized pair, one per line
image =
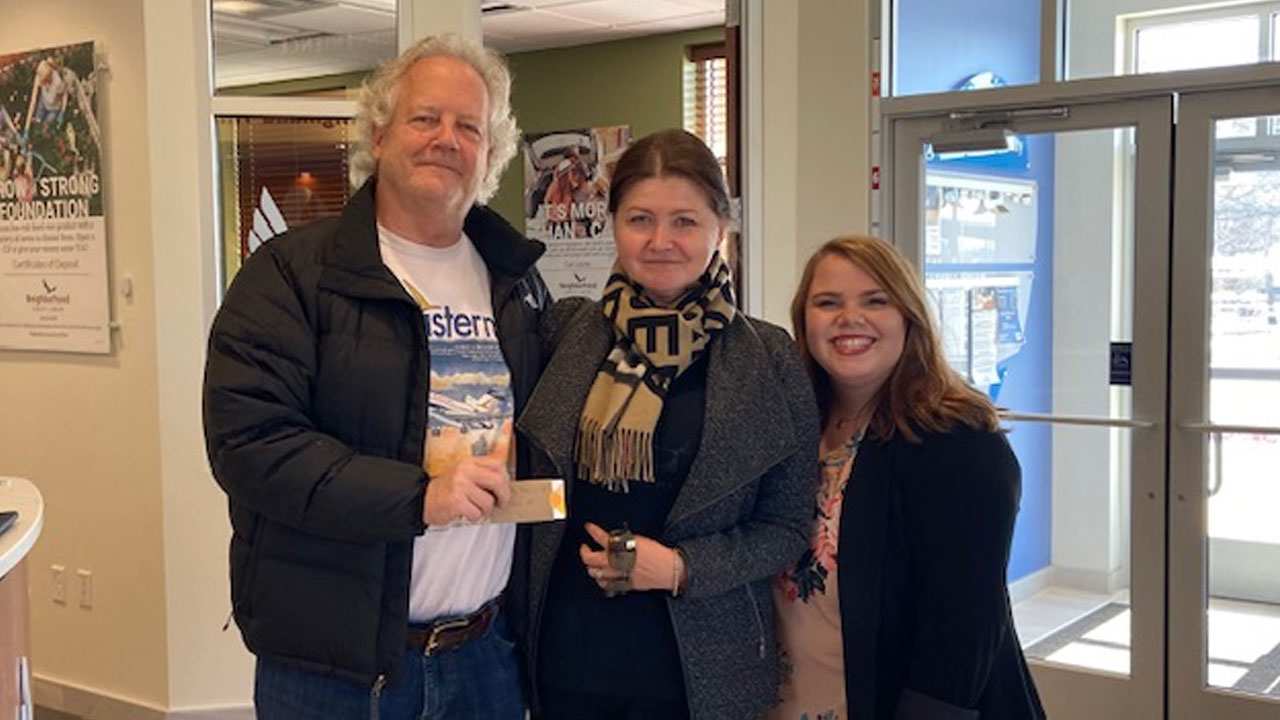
(808, 608)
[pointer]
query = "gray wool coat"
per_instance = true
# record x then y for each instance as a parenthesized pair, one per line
(744, 513)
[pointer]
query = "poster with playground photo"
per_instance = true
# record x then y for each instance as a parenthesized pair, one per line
(53, 255)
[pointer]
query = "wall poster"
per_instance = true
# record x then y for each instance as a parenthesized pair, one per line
(53, 245)
(981, 317)
(566, 204)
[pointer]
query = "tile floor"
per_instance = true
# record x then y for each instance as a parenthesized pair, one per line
(1091, 630)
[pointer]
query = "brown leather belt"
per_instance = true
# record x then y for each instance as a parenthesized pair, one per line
(454, 632)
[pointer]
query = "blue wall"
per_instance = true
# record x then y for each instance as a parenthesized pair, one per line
(941, 43)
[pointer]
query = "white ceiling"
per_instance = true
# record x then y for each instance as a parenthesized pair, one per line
(258, 41)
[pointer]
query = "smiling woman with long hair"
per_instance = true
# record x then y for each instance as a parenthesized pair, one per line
(899, 608)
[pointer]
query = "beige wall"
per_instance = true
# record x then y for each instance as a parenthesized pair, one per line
(833, 122)
(85, 428)
(815, 133)
(779, 127)
(207, 667)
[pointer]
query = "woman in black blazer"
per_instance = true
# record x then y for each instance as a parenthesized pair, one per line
(899, 609)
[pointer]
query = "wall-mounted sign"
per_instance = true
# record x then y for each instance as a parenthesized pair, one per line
(1122, 363)
(566, 204)
(53, 240)
(982, 317)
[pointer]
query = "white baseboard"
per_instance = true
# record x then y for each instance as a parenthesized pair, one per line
(1097, 581)
(1029, 585)
(1235, 570)
(244, 712)
(93, 704)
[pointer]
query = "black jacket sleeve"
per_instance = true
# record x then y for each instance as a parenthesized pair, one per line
(263, 445)
(959, 502)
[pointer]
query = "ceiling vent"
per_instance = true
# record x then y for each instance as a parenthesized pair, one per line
(500, 8)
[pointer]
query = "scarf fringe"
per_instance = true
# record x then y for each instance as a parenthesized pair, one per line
(614, 459)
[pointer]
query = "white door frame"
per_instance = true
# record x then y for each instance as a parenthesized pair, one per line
(1189, 696)
(1091, 694)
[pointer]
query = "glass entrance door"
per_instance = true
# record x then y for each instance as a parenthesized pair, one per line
(1224, 568)
(1043, 237)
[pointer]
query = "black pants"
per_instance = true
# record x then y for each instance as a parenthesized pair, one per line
(572, 705)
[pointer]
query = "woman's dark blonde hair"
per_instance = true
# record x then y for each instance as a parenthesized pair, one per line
(922, 393)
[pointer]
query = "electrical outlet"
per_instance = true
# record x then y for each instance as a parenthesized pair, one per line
(86, 588)
(59, 578)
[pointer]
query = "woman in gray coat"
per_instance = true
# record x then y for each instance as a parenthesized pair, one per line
(686, 433)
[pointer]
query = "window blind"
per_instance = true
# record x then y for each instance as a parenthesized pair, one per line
(302, 163)
(706, 98)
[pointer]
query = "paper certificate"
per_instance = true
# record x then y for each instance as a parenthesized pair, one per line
(531, 501)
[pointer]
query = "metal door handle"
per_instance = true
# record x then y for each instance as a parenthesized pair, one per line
(1216, 432)
(1213, 428)
(1085, 420)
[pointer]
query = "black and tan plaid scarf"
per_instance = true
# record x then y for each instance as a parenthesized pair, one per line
(652, 346)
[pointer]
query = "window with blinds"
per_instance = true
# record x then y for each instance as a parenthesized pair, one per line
(279, 173)
(706, 97)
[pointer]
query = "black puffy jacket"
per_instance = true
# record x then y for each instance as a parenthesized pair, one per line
(315, 412)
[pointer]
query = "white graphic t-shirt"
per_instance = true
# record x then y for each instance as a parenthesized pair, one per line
(456, 569)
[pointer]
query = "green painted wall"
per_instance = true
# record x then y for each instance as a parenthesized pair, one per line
(637, 82)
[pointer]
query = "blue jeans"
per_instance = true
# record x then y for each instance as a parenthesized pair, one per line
(477, 681)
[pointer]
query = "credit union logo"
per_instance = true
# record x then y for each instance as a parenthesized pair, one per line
(47, 295)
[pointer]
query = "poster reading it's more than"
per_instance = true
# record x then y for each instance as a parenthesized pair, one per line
(566, 204)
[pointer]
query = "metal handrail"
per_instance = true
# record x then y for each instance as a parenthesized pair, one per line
(1085, 420)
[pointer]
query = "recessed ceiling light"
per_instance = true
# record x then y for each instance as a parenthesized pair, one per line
(237, 7)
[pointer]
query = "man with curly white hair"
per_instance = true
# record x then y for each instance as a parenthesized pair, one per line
(362, 377)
